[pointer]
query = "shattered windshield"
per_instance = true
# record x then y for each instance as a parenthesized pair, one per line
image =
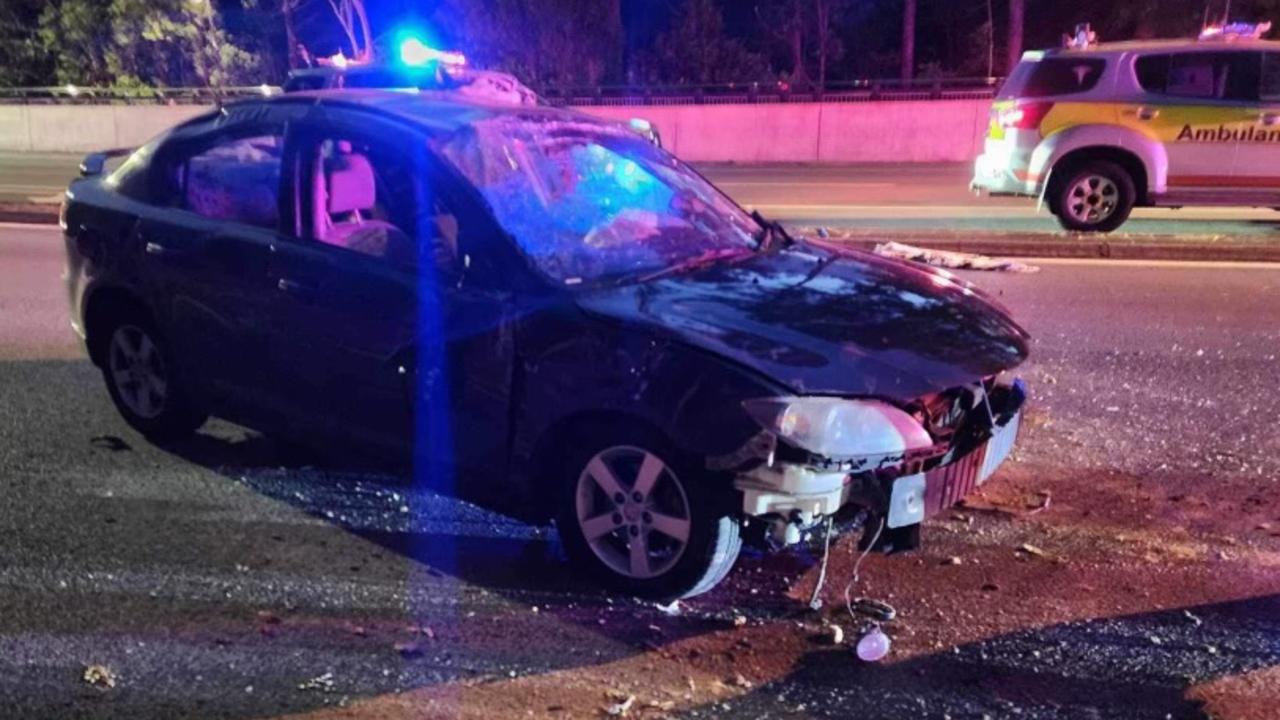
(588, 202)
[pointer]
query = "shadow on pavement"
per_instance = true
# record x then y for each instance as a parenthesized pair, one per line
(1129, 667)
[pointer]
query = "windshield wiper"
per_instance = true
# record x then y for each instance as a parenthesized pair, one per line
(710, 257)
(771, 233)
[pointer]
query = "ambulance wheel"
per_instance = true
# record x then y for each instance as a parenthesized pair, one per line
(1093, 196)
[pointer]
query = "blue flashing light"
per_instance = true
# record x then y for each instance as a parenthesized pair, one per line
(416, 53)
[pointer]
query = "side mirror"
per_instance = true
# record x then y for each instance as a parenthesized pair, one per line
(93, 164)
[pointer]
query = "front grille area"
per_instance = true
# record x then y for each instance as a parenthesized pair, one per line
(949, 484)
(944, 413)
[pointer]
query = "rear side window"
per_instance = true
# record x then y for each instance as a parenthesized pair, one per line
(1269, 88)
(237, 180)
(1053, 76)
(1201, 75)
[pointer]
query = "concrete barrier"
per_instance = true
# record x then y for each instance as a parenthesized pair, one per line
(85, 128)
(15, 132)
(889, 131)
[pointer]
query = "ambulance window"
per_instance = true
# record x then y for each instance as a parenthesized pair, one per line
(1202, 75)
(1269, 88)
(1153, 72)
(1062, 76)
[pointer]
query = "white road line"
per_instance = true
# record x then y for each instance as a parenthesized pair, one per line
(781, 184)
(975, 212)
(1153, 264)
(31, 188)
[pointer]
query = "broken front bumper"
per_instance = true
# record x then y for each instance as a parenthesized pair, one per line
(920, 487)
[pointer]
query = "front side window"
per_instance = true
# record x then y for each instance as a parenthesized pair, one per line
(236, 180)
(364, 198)
(589, 202)
(1201, 75)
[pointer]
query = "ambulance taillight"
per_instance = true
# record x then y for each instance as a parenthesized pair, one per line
(1024, 116)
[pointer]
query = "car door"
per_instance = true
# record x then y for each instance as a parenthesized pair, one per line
(205, 251)
(1258, 162)
(1199, 104)
(383, 327)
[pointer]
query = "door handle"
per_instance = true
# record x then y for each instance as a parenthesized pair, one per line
(295, 288)
(1148, 113)
(160, 249)
(1269, 118)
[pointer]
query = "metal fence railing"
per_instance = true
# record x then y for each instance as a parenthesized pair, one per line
(723, 94)
(81, 95)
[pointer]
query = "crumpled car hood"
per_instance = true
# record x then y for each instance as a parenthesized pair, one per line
(823, 319)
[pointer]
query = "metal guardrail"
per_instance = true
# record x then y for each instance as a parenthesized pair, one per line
(725, 94)
(77, 95)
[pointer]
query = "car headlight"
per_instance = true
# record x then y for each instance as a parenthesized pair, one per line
(840, 428)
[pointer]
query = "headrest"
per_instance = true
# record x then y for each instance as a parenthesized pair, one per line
(351, 184)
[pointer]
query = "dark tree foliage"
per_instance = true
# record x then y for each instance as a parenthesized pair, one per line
(568, 42)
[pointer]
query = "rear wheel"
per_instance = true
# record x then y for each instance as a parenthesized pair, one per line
(644, 519)
(139, 371)
(1094, 196)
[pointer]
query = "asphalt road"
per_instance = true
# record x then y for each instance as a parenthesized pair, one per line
(868, 196)
(225, 578)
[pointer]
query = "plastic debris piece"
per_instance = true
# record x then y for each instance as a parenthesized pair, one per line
(873, 646)
(109, 442)
(100, 676)
(1030, 549)
(408, 649)
(621, 709)
(835, 635)
(323, 683)
(950, 259)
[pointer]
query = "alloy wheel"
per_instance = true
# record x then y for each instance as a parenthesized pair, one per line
(633, 512)
(1093, 199)
(138, 371)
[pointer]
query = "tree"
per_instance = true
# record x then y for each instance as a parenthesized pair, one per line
(23, 60)
(1017, 12)
(354, 22)
(787, 21)
(827, 15)
(908, 40)
(77, 34)
(697, 49)
(143, 43)
(544, 42)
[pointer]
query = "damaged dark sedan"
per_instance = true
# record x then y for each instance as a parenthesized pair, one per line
(550, 314)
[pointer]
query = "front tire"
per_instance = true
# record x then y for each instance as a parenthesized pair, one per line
(1094, 196)
(139, 370)
(644, 519)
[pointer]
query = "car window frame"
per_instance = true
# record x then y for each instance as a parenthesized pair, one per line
(1099, 66)
(1169, 57)
(163, 193)
(496, 265)
(1274, 57)
(304, 136)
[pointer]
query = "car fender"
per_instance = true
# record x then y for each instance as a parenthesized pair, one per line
(1149, 151)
